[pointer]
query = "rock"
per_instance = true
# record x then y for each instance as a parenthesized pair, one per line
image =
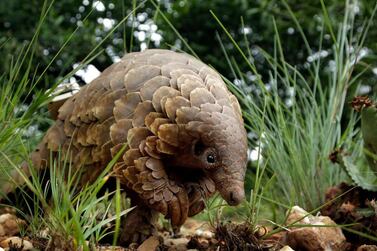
(10, 224)
(204, 233)
(193, 227)
(367, 248)
(178, 248)
(16, 242)
(170, 242)
(177, 244)
(313, 238)
(286, 248)
(110, 248)
(150, 244)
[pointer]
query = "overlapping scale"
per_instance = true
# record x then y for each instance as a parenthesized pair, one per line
(136, 77)
(150, 87)
(125, 106)
(160, 96)
(173, 104)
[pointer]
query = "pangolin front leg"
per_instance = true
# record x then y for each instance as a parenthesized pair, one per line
(198, 192)
(148, 178)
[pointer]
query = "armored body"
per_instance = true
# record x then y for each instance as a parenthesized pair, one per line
(181, 128)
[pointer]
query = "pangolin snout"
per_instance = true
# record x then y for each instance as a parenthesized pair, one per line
(234, 195)
(230, 185)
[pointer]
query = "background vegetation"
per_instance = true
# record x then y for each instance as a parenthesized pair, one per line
(191, 18)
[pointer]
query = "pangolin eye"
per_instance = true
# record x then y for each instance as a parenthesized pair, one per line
(211, 158)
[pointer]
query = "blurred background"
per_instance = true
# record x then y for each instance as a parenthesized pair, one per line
(251, 23)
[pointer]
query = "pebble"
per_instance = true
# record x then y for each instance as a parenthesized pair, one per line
(10, 224)
(176, 244)
(150, 244)
(204, 233)
(313, 238)
(367, 248)
(110, 248)
(18, 242)
(286, 248)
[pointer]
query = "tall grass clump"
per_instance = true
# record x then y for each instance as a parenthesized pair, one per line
(68, 214)
(20, 104)
(297, 134)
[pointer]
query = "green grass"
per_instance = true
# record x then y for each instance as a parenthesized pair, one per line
(77, 214)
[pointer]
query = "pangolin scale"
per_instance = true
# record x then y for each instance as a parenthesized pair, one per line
(182, 128)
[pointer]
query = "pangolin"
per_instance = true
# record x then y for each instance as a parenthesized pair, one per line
(181, 128)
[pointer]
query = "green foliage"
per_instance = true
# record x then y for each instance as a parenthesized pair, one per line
(69, 210)
(71, 24)
(359, 171)
(369, 131)
(192, 20)
(18, 115)
(359, 160)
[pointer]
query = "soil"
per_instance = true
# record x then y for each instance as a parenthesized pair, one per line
(358, 207)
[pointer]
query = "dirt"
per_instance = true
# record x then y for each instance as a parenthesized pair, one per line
(357, 207)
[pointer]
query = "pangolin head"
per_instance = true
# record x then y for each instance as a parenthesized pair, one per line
(221, 150)
(219, 142)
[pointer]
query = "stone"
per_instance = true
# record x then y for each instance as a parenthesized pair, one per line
(175, 241)
(176, 244)
(10, 224)
(110, 248)
(150, 244)
(16, 242)
(313, 238)
(197, 228)
(367, 248)
(286, 248)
